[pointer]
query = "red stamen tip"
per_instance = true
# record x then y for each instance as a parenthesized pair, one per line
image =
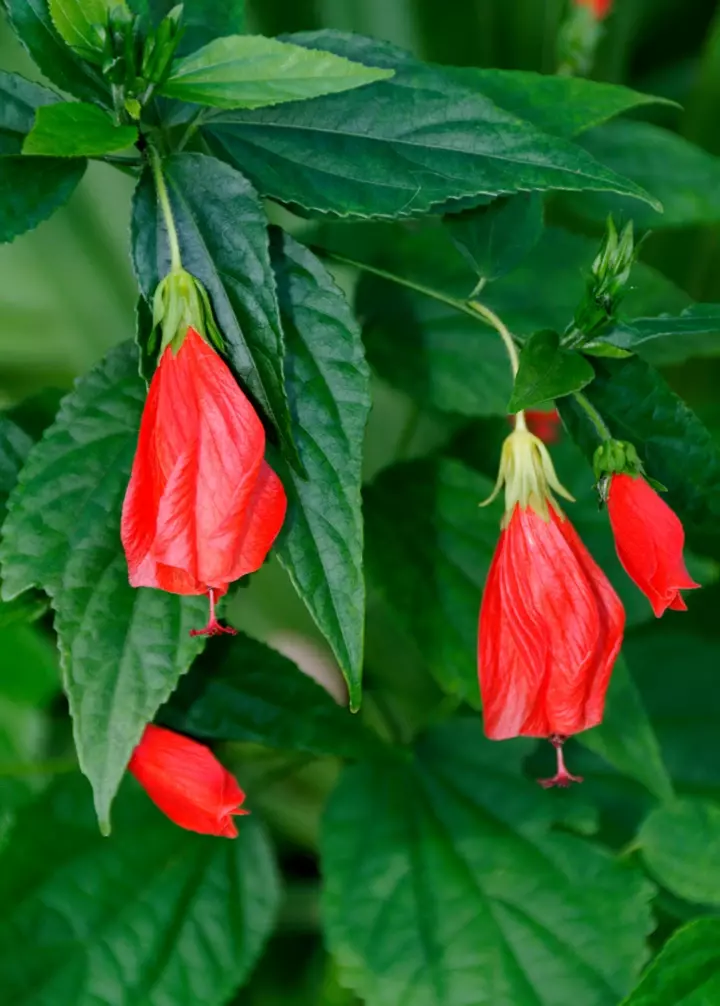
(562, 777)
(213, 628)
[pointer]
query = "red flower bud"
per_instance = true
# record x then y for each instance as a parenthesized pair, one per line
(551, 624)
(546, 425)
(187, 782)
(649, 539)
(203, 507)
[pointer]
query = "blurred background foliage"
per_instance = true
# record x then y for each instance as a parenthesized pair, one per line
(67, 293)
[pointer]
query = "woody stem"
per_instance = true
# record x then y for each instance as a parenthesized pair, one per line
(492, 319)
(593, 415)
(164, 200)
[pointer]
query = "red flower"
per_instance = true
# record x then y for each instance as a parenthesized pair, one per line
(203, 507)
(649, 539)
(551, 624)
(187, 782)
(546, 425)
(600, 8)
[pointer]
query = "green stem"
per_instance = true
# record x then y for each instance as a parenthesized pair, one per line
(164, 200)
(593, 415)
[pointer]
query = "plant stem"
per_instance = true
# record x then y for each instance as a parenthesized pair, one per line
(593, 415)
(492, 319)
(164, 200)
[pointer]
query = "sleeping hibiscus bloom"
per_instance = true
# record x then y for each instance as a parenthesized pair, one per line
(203, 507)
(551, 625)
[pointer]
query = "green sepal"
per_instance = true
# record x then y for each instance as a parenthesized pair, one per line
(181, 302)
(619, 457)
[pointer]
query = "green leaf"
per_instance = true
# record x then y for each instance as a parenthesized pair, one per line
(669, 338)
(245, 691)
(675, 447)
(423, 138)
(31, 191)
(34, 27)
(321, 545)
(222, 230)
(81, 23)
(19, 100)
(429, 548)
(626, 739)
(496, 238)
(27, 608)
(122, 650)
(686, 972)
(681, 845)
(683, 177)
(547, 371)
(154, 915)
(444, 883)
(14, 447)
(249, 71)
(76, 129)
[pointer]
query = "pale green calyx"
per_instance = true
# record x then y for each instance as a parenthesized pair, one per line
(181, 302)
(528, 475)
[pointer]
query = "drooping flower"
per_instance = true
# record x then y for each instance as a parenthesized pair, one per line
(202, 507)
(551, 624)
(187, 782)
(649, 539)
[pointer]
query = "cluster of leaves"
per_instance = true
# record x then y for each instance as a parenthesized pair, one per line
(447, 878)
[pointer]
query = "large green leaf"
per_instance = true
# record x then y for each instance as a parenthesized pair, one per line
(626, 739)
(496, 238)
(547, 371)
(222, 230)
(76, 129)
(153, 915)
(250, 71)
(687, 970)
(681, 845)
(444, 883)
(321, 544)
(31, 191)
(423, 138)
(122, 650)
(244, 691)
(33, 24)
(671, 338)
(81, 24)
(677, 450)
(19, 100)
(14, 447)
(683, 177)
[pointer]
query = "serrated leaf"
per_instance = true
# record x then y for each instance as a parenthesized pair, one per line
(19, 100)
(680, 844)
(34, 27)
(423, 138)
(14, 447)
(496, 238)
(686, 972)
(626, 739)
(670, 338)
(31, 191)
(81, 23)
(122, 650)
(76, 129)
(222, 230)
(321, 544)
(547, 371)
(675, 447)
(444, 883)
(154, 915)
(246, 691)
(250, 71)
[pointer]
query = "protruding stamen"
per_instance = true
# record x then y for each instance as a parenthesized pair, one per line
(562, 777)
(213, 627)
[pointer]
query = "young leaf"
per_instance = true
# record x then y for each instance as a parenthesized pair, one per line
(81, 23)
(19, 100)
(429, 138)
(76, 129)
(547, 371)
(626, 739)
(681, 845)
(34, 27)
(445, 883)
(675, 447)
(247, 692)
(686, 972)
(249, 71)
(321, 545)
(31, 191)
(156, 915)
(670, 338)
(122, 650)
(496, 238)
(222, 230)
